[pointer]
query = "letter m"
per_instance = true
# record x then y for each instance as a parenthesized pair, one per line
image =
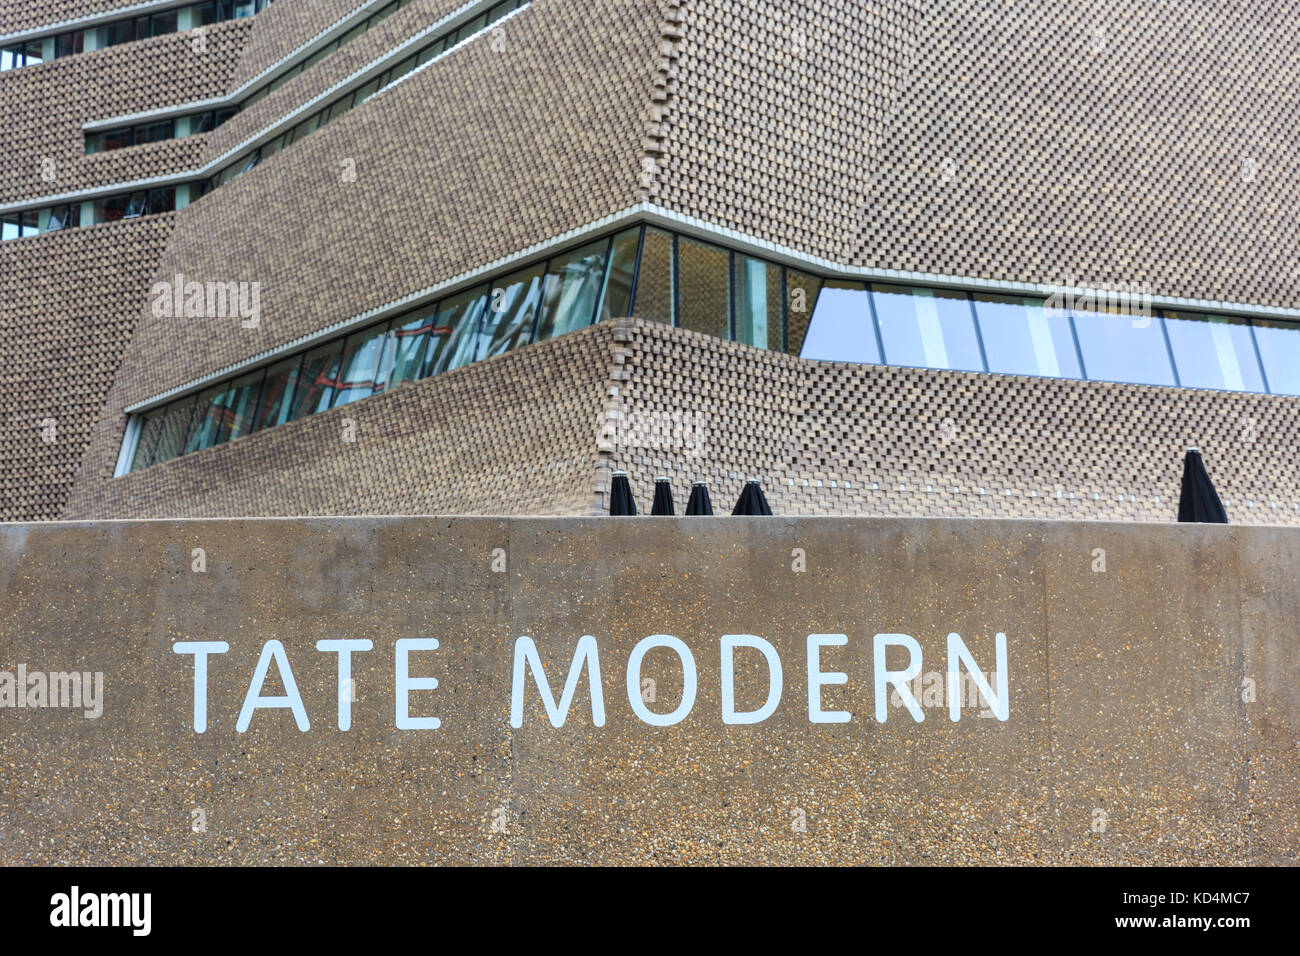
(586, 652)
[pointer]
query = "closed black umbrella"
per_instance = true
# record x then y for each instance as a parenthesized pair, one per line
(663, 503)
(699, 503)
(621, 501)
(751, 500)
(1199, 501)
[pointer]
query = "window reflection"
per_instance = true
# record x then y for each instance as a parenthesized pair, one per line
(929, 328)
(841, 329)
(1213, 352)
(726, 294)
(1279, 348)
(1021, 338)
(572, 286)
(1123, 347)
(758, 303)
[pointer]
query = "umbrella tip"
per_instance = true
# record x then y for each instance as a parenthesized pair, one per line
(701, 482)
(752, 481)
(662, 478)
(620, 472)
(1193, 448)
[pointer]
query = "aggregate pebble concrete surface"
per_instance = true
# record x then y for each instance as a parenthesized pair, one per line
(1152, 714)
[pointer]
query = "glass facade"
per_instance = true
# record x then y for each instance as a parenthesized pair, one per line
(683, 281)
(127, 30)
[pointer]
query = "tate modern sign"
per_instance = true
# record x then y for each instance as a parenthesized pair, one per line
(416, 695)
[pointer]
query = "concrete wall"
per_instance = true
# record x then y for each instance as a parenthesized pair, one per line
(1128, 739)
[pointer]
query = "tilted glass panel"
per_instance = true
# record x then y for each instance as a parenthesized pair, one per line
(175, 429)
(363, 362)
(241, 404)
(209, 411)
(455, 335)
(409, 341)
(151, 426)
(654, 283)
(571, 288)
(926, 328)
(1123, 347)
(512, 312)
(1022, 338)
(1279, 347)
(317, 380)
(841, 329)
(705, 302)
(758, 303)
(616, 301)
(1213, 351)
(275, 407)
(801, 292)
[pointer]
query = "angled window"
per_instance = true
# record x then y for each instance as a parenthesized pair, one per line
(841, 329)
(571, 290)
(1022, 338)
(318, 380)
(927, 328)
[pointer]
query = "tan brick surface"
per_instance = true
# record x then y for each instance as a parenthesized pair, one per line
(68, 315)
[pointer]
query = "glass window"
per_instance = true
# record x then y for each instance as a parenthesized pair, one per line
(841, 329)
(241, 404)
(403, 68)
(365, 92)
(161, 23)
(654, 283)
(801, 292)
(338, 108)
(317, 380)
(499, 11)
(927, 328)
(137, 205)
(117, 138)
(209, 416)
(1022, 338)
(616, 300)
(409, 339)
(109, 209)
(705, 301)
(66, 44)
(150, 428)
(572, 287)
(1123, 347)
(1213, 351)
(511, 317)
(1279, 347)
(10, 226)
(175, 429)
(363, 367)
(758, 303)
(430, 51)
(275, 407)
(32, 53)
(455, 334)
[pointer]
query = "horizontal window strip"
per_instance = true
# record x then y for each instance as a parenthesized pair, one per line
(127, 30)
(685, 281)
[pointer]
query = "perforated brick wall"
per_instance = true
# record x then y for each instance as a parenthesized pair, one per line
(45, 107)
(67, 316)
(835, 438)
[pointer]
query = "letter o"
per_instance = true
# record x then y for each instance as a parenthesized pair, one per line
(634, 680)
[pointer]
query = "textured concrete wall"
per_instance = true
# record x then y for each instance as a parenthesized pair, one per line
(1152, 706)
